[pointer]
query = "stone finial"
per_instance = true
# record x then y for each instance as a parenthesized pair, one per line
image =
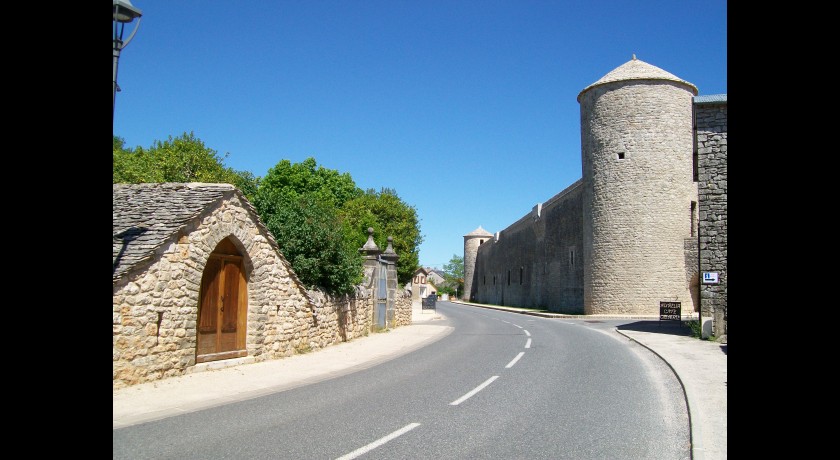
(634, 56)
(389, 253)
(370, 248)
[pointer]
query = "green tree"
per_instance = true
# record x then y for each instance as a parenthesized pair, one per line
(290, 180)
(310, 236)
(453, 273)
(299, 204)
(388, 215)
(181, 159)
(247, 183)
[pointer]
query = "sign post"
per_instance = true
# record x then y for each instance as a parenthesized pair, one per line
(670, 311)
(429, 302)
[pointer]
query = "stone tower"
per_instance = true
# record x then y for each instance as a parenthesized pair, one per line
(639, 192)
(472, 241)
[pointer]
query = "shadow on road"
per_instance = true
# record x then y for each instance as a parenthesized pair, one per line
(658, 327)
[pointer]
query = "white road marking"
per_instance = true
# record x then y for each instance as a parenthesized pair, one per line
(527, 333)
(528, 344)
(474, 391)
(520, 327)
(510, 364)
(379, 442)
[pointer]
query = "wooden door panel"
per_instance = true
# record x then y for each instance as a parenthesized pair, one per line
(207, 343)
(227, 341)
(222, 303)
(208, 311)
(230, 299)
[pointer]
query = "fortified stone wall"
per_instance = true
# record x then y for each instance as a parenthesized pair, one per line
(155, 308)
(710, 119)
(537, 261)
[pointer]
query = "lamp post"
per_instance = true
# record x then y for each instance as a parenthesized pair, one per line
(124, 13)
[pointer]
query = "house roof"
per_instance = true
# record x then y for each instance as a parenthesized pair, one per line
(435, 272)
(710, 99)
(149, 216)
(636, 69)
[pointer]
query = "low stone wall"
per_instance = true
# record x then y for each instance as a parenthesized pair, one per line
(147, 349)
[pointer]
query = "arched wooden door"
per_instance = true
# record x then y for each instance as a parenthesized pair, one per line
(223, 308)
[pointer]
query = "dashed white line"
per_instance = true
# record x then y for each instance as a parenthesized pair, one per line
(379, 442)
(474, 391)
(510, 364)
(520, 327)
(528, 344)
(527, 333)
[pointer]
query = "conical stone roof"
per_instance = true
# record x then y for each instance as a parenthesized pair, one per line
(479, 232)
(636, 69)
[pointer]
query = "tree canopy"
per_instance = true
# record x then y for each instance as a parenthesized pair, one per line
(453, 275)
(299, 204)
(388, 215)
(288, 180)
(181, 159)
(310, 236)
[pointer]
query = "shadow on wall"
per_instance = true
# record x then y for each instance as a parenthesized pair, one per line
(694, 290)
(127, 236)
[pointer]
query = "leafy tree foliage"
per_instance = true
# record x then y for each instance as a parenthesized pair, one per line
(290, 180)
(181, 159)
(247, 183)
(309, 234)
(453, 273)
(388, 215)
(300, 205)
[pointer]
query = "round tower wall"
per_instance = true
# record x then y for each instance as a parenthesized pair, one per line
(636, 147)
(471, 244)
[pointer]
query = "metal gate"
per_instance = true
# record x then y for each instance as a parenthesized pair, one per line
(382, 296)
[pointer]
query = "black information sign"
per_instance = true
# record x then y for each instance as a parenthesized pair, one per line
(429, 302)
(670, 310)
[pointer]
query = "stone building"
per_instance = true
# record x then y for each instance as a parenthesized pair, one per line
(198, 279)
(421, 285)
(710, 149)
(625, 236)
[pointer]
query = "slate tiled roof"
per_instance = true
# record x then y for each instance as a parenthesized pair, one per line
(147, 216)
(636, 69)
(710, 99)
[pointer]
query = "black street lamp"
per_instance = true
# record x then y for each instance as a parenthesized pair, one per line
(124, 13)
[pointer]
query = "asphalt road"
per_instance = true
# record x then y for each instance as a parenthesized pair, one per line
(501, 385)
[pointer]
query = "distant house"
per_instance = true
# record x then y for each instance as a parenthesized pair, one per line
(436, 276)
(421, 285)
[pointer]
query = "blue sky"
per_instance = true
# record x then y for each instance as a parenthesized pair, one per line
(468, 109)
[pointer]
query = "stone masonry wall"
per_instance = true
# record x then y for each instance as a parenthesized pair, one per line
(537, 261)
(711, 120)
(155, 307)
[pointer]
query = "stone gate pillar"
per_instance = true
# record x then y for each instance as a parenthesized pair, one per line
(389, 263)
